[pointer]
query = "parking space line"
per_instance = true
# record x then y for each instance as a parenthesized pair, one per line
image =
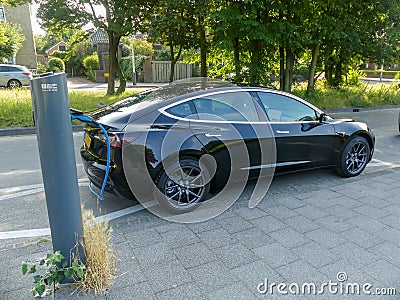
(30, 186)
(24, 233)
(31, 191)
(379, 163)
(46, 231)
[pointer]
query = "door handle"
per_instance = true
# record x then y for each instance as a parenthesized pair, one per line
(212, 135)
(283, 131)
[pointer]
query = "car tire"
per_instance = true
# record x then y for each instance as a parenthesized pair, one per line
(183, 186)
(354, 157)
(14, 83)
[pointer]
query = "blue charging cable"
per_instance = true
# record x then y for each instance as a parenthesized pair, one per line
(86, 119)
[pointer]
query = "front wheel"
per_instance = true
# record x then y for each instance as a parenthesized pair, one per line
(183, 186)
(354, 157)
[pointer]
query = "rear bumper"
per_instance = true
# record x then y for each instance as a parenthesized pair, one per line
(95, 168)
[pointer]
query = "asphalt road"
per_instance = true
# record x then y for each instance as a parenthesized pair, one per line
(23, 201)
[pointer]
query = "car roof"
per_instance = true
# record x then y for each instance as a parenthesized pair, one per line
(173, 94)
(10, 65)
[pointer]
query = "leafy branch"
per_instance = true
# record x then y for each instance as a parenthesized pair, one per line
(52, 270)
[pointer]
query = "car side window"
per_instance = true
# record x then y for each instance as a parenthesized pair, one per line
(232, 106)
(281, 108)
(183, 110)
(14, 69)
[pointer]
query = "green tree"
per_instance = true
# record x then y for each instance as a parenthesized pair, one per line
(11, 39)
(172, 24)
(143, 47)
(43, 43)
(122, 17)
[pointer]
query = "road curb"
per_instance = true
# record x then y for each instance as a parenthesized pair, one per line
(29, 130)
(359, 109)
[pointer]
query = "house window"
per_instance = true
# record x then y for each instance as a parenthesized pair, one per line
(62, 48)
(2, 15)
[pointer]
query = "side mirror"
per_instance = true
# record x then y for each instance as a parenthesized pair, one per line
(322, 118)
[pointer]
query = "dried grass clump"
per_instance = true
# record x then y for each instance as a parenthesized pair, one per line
(100, 255)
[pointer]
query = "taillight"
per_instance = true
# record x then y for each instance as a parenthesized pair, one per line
(114, 140)
(27, 74)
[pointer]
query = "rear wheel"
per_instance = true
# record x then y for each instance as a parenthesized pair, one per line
(13, 84)
(354, 157)
(183, 186)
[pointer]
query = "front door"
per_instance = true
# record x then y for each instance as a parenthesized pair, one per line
(302, 141)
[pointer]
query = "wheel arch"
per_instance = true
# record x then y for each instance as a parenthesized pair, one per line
(189, 153)
(369, 139)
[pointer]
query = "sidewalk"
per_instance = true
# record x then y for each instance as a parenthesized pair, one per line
(305, 230)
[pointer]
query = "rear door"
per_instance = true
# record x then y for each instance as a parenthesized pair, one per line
(301, 140)
(4, 75)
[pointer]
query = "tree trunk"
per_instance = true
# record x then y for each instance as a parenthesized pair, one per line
(328, 66)
(338, 72)
(255, 61)
(310, 86)
(112, 62)
(203, 50)
(236, 55)
(122, 80)
(287, 82)
(281, 68)
(291, 66)
(174, 61)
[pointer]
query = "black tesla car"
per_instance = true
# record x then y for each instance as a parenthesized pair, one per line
(159, 139)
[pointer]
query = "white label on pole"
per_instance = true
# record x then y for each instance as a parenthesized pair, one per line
(49, 87)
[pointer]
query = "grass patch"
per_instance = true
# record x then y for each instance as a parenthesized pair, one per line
(351, 96)
(100, 255)
(16, 105)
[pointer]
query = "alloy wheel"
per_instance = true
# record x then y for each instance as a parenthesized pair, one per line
(356, 158)
(185, 187)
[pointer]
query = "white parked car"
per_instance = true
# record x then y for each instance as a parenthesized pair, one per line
(14, 76)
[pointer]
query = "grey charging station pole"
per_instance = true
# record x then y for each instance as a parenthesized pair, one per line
(57, 159)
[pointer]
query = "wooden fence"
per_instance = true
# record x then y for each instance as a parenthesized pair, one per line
(160, 71)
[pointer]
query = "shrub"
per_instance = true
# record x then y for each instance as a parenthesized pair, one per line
(56, 64)
(162, 55)
(354, 76)
(41, 68)
(91, 63)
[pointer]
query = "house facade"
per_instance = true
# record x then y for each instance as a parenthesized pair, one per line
(21, 15)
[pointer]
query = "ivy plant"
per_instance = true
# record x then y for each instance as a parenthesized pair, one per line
(51, 270)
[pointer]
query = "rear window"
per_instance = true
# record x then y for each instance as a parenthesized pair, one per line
(10, 69)
(183, 110)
